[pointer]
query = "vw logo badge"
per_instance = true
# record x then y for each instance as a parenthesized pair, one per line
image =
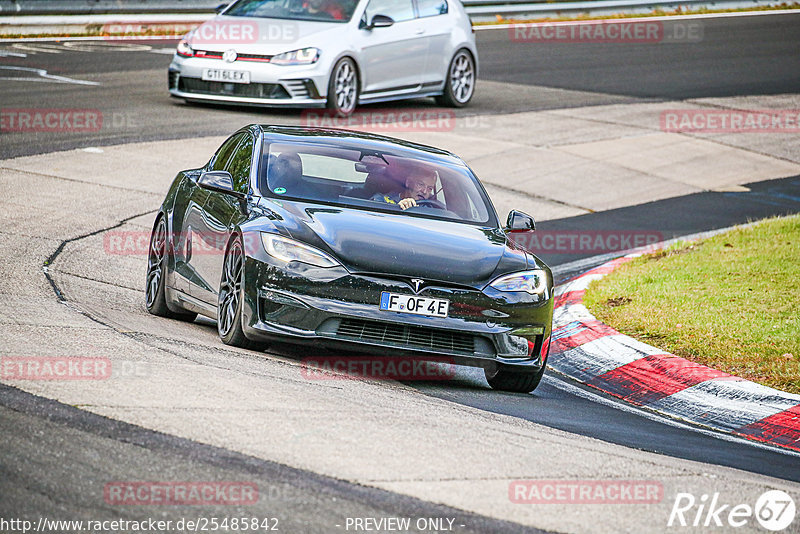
(229, 56)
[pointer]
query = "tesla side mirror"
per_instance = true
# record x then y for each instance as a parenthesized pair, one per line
(519, 222)
(378, 21)
(220, 8)
(220, 181)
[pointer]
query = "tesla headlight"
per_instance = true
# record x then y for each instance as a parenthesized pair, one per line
(533, 282)
(305, 56)
(287, 250)
(184, 49)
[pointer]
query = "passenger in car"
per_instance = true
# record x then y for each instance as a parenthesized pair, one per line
(286, 173)
(329, 8)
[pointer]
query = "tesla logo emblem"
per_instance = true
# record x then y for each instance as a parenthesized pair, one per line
(229, 56)
(417, 284)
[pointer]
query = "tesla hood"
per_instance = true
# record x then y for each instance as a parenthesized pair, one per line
(403, 245)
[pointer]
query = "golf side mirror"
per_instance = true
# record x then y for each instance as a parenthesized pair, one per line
(378, 21)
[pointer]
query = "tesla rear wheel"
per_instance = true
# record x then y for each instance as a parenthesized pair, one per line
(343, 88)
(231, 292)
(460, 85)
(155, 299)
(504, 380)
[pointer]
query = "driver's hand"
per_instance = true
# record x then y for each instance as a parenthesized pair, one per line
(407, 203)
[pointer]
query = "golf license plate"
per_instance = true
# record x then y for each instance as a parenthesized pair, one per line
(222, 75)
(414, 304)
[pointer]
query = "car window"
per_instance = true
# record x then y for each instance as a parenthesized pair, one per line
(239, 165)
(223, 155)
(319, 166)
(317, 10)
(373, 180)
(431, 8)
(397, 10)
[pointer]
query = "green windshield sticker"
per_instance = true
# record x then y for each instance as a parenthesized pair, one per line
(280, 190)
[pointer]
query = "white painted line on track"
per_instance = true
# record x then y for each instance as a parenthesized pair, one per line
(165, 51)
(43, 76)
(561, 384)
(55, 39)
(109, 46)
(44, 48)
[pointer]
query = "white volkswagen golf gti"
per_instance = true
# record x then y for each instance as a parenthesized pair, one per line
(328, 53)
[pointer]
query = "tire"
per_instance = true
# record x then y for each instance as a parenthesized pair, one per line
(514, 381)
(231, 293)
(460, 84)
(155, 299)
(343, 88)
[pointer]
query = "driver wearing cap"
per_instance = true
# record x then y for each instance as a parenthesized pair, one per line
(418, 186)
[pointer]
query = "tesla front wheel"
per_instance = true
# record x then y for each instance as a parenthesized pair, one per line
(460, 85)
(155, 299)
(343, 88)
(231, 293)
(505, 380)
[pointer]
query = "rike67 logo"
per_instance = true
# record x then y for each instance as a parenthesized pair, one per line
(774, 510)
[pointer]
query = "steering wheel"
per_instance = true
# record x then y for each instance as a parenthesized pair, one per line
(431, 203)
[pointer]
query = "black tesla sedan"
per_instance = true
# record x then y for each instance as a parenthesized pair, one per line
(355, 241)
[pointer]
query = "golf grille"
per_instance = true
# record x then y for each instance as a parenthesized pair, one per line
(250, 90)
(416, 337)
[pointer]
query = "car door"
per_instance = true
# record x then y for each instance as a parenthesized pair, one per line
(188, 224)
(436, 29)
(392, 58)
(221, 212)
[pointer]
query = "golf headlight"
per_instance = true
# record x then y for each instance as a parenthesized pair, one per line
(305, 56)
(184, 49)
(533, 282)
(287, 250)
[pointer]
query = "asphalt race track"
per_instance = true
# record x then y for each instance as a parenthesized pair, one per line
(738, 56)
(56, 457)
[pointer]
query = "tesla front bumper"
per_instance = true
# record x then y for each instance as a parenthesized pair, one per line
(272, 85)
(341, 309)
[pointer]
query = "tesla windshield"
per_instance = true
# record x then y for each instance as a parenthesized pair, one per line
(374, 180)
(318, 10)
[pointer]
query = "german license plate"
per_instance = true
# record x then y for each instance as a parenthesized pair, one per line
(222, 75)
(414, 304)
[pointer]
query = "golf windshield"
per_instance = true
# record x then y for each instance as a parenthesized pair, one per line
(316, 10)
(374, 180)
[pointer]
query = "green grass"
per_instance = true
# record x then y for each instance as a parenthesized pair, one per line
(731, 302)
